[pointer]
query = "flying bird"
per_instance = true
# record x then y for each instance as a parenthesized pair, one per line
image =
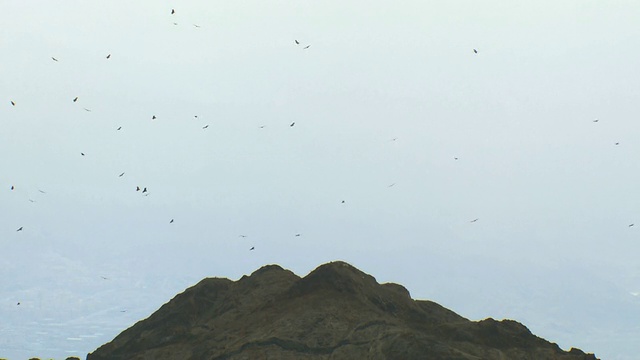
(109, 56)
(206, 126)
(82, 153)
(88, 110)
(343, 201)
(18, 304)
(392, 185)
(12, 103)
(75, 99)
(253, 247)
(171, 222)
(455, 158)
(119, 128)
(173, 11)
(153, 117)
(54, 59)
(20, 229)
(41, 191)
(196, 25)
(297, 42)
(596, 120)
(137, 188)
(293, 123)
(474, 220)
(475, 51)
(12, 187)
(617, 143)
(630, 225)
(242, 236)
(195, 116)
(121, 175)
(306, 47)
(104, 278)
(298, 234)
(144, 190)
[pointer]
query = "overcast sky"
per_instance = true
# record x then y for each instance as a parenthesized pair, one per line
(402, 136)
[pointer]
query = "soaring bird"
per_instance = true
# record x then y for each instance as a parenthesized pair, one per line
(293, 123)
(306, 47)
(617, 143)
(82, 153)
(196, 25)
(343, 201)
(475, 51)
(596, 120)
(109, 56)
(455, 158)
(54, 59)
(75, 99)
(119, 128)
(144, 190)
(20, 229)
(173, 11)
(12, 103)
(630, 225)
(42, 192)
(253, 247)
(242, 236)
(297, 42)
(206, 126)
(87, 110)
(12, 187)
(298, 234)
(392, 185)
(153, 117)
(121, 175)
(137, 188)
(171, 222)
(474, 220)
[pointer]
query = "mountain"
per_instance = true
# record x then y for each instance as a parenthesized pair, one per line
(335, 312)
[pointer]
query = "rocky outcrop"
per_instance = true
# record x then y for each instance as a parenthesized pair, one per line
(335, 312)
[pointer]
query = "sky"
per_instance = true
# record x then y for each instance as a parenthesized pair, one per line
(379, 144)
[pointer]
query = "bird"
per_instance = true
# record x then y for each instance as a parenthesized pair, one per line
(206, 126)
(343, 201)
(596, 120)
(137, 188)
(392, 185)
(455, 158)
(475, 51)
(18, 304)
(144, 190)
(104, 278)
(242, 236)
(31, 200)
(20, 229)
(175, 23)
(121, 175)
(293, 123)
(261, 126)
(42, 192)
(109, 56)
(54, 59)
(13, 103)
(12, 187)
(119, 128)
(82, 153)
(87, 110)
(75, 99)
(195, 116)
(474, 220)
(173, 11)
(630, 225)
(617, 143)
(297, 42)
(306, 47)
(153, 117)
(298, 234)
(253, 247)
(171, 222)
(196, 25)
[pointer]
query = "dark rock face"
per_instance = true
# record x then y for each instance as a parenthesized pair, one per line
(335, 312)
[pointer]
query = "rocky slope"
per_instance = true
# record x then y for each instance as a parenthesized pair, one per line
(335, 312)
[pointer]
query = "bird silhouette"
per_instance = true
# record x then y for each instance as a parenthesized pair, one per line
(196, 25)
(596, 120)
(617, 143)
(144, 190)
(18, 304)
(153, 117)
(306, 47)
(253, 247)
(20, 229)
(75, 99)
(474, 220)
(109, 56)
(12, 187)
(82, 153)
(173, 11)
(206, 126)
(121, 175)
(171, 222)
(12, 103)
(87, 110)
(630, 225)
(54, 59)
(392, 185)
(455, 158)
(242, 236)
(475, 51)
(42, 192)
(297, 42)
(137, 188)
(343, 201)
(298, 234)
(119, 128)
(293, 123)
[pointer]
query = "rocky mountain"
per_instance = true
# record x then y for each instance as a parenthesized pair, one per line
(335, 312)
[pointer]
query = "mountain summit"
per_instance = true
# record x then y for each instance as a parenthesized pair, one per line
(335, 312)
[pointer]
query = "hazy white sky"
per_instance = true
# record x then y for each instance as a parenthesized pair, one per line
(386, 94)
